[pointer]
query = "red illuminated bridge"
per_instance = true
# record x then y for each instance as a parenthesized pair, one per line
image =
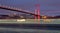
(16, 9)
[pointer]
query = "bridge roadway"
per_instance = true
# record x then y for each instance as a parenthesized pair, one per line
(17, 10)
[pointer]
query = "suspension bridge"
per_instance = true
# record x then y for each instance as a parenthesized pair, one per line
(50, 21)
(17, 10)
(39, 25)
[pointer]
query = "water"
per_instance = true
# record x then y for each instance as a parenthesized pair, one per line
(16, 30)
(14, 26)
(31, 21)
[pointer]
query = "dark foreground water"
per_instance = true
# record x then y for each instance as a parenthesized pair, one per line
(29, 28)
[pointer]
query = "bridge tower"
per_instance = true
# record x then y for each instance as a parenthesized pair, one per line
(37, 11)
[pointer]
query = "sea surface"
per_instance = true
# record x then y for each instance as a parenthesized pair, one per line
(29, 26)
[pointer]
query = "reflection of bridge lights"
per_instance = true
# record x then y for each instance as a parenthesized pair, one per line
(47, 20)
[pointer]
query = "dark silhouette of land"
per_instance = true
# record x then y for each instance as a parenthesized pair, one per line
(23, 16)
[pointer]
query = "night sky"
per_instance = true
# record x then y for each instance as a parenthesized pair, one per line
(47, 7)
